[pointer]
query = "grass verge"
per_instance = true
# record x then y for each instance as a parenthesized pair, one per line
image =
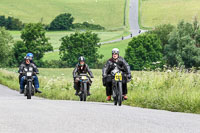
(173, 91)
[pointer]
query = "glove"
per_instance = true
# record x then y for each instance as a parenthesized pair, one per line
(129, 76)
(91, 76)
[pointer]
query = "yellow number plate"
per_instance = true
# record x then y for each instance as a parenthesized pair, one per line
(118, 76)
(84, 77)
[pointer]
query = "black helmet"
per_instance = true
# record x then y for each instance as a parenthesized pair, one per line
(81, 58)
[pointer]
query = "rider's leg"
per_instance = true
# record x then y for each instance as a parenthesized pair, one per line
(22, 84)
(88, 89)
(124, 90)
(76, 86)
(108, 90)
(36, 84)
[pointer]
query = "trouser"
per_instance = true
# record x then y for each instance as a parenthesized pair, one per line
(109, 89)
(35, 80)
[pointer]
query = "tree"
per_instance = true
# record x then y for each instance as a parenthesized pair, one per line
(5, 46)
(34, 41)
(162, 31)
(80, 44)
(184, 45)
(62, 22)
(144, 51)
(13, 24)
(2, 21)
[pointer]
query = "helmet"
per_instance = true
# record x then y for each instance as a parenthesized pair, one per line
(81, 58)
(29, 55)
(115, 51)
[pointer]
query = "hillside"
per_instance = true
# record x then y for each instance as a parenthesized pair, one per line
(108, 13)
(155, 12)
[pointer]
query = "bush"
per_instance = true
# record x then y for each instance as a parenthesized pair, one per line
(80, 44)
(62, 22)
(87, 26)
(5, 46)
(144, 51)
(11, 23)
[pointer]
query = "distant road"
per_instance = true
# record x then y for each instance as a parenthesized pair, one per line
(19, 115)
(133, 22)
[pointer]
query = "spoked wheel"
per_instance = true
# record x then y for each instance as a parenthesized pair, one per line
(120, 94)
(29, 90)
(85, 92)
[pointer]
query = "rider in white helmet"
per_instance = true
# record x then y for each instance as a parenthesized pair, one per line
(118, 60)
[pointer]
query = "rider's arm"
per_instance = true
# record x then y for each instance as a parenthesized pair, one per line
(105, 69)
(21, 68)
(35, 69)
(89, 71)
(127, 67)
(75, 71)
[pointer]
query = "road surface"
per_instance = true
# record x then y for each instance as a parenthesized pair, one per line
(19, 115)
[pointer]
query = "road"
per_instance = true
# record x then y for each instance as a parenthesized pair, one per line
(133, 22)
(19, 115)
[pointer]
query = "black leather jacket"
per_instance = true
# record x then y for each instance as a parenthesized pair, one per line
(109, 66)
(24, 65)
(85, 70)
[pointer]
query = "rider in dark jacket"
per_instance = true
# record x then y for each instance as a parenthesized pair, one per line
(106, 71)
(81, 68)
(22, 68)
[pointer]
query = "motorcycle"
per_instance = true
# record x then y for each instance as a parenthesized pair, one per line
(84, 80)
(29, 88)
(117, 86)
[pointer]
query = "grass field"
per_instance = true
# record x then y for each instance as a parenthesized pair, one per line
(57, 35)
(156, 12)
(105, 50)
(174, 91)
(108, 13)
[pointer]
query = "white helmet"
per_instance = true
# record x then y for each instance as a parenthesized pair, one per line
(115, 51)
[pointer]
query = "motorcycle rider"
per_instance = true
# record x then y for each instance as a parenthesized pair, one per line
(24, 65)
(81, 68)
(109, 66)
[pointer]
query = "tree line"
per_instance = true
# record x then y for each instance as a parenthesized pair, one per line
(166, 45)
(61, 22)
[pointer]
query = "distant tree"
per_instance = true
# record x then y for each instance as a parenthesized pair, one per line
(80, 44)
(5, 46)
(34, 41)
(62, 22)
(2, 21)
(13, 24)
(184, 45)
(144, 51)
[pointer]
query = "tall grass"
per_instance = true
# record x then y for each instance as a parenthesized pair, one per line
(175, 91)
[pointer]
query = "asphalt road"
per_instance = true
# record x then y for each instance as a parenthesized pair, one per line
(19, 115)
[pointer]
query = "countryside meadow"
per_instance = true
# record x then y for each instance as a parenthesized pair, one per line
(170, 81)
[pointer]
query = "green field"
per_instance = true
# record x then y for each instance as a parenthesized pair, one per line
(105, 50)
(57, 35)
(156, 12)
(174, 91)
(108, 13)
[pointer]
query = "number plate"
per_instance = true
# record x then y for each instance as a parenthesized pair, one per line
(84, 77)
(118, 76)
(29, 74)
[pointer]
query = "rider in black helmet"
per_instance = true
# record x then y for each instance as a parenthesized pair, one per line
(81, 67)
